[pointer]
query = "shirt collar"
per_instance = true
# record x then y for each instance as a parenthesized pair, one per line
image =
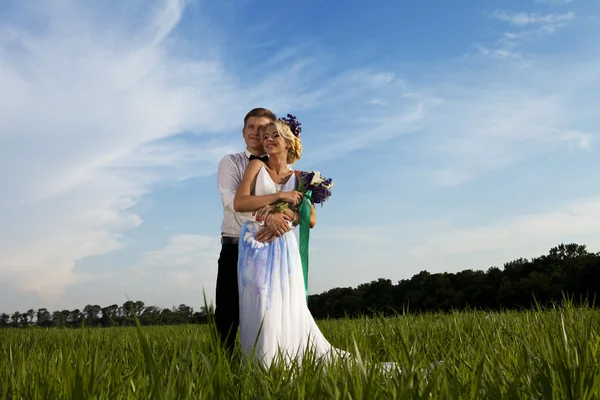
(248, 154)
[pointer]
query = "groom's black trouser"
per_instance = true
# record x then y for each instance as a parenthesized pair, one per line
(227, 308)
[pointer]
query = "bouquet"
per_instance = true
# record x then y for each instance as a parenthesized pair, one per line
(316, 190)
(312, 181)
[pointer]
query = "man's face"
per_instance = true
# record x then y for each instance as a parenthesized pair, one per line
(252, 131)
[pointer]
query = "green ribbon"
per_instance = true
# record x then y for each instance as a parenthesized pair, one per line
(305, 212)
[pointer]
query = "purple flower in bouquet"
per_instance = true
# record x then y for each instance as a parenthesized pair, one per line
(317, 184)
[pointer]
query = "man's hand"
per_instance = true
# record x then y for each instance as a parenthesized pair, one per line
(262, 213)
(265, 235)
(278, 223)
(293, 215)
(275, 226)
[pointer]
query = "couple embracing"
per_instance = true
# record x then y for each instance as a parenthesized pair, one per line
(260, 281)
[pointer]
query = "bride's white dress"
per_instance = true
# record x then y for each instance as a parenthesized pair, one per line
(274, 317)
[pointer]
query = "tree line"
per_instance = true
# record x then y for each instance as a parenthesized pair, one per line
(567, 270)
(113, 315)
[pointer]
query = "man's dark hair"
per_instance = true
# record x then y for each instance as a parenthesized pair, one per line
(260, 113)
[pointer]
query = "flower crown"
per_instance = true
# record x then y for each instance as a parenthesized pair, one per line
(293, 123)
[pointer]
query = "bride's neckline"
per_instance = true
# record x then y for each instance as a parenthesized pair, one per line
(283, 183)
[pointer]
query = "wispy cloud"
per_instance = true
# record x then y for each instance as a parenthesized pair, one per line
(527, 28)
(488, 127)
(369, 108)
(547, 21)
(505, 114)
(186, 261)
(559, 2)
(358, 233)
(104, 107)
(94, 99)
(181, 270)
(475, 118)
(569, 222)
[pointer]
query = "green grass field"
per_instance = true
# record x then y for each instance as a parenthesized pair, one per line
(552, 354)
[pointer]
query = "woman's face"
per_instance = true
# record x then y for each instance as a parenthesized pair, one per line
(273, 142)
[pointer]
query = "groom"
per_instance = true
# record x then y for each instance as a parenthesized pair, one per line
(229, 175)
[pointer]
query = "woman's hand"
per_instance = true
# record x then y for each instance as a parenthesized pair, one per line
(294, 197)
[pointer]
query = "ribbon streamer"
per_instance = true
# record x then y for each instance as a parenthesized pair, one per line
(305, 212)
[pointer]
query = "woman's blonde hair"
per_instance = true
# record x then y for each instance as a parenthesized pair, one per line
(295, 150)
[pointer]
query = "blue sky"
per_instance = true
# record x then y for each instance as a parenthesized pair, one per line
(458, 137)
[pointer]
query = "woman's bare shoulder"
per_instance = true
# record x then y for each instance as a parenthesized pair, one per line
(255, 164)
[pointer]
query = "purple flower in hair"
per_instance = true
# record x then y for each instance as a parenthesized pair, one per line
(293, 123)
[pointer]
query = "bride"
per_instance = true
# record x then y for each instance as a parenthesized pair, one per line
(275, 322)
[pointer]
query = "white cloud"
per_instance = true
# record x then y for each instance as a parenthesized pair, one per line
(509, 238)
(472, 116)
(359, 121)
(78, 102)
(492, 115)
(89, 97)
(94, 99)
(529, 28)
(353, 233)
(487, 128)
(180, 271)
(471, 120)
(523, 19)
(187, 262)
(559, 2)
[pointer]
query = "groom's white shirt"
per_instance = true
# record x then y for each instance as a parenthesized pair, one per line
(229, 176)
